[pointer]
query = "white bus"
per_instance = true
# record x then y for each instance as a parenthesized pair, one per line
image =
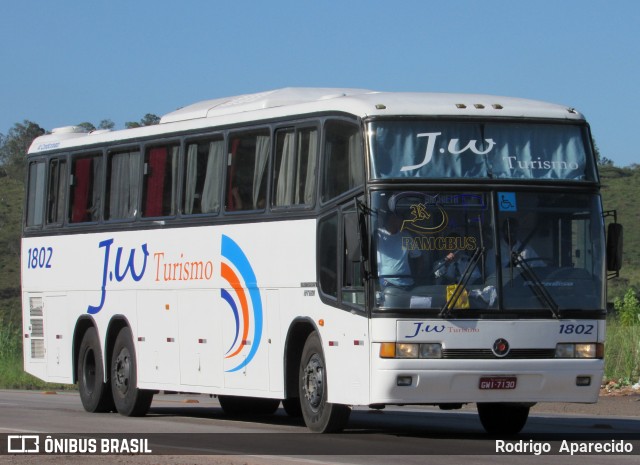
(323, 248)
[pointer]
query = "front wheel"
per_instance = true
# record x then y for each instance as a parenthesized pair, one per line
(503, 419)
(129, 400)
(319, 415)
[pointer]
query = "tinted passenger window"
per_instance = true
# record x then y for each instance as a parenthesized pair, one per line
(57, 191)
(328, 254)
(35, 194)
(294, 175)
(160, 181)
(122, 185)
(344, 162)
(86, 173)
(203, 176)
(247, 171)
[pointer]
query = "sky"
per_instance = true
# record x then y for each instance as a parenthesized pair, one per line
(66, 62)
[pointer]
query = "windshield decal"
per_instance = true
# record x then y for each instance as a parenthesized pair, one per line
(493, 150)
(451, 148)
(507, 202)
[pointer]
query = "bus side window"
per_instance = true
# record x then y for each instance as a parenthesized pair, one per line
(57, 191)
(85, 194)
(122, 185)
(294, 174)
(247, 171)
(328, 254)
(352, 279)
(203, 175)
(160, 181)
(35, 194)
(344, 159)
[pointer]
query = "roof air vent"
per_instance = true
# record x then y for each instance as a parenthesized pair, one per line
(69, 130)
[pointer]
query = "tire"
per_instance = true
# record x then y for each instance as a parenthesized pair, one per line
(319, 415)
(503, 419)
(94, 393)
(129, 400)
(237, 405)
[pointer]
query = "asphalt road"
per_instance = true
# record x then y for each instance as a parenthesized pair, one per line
(192, 429)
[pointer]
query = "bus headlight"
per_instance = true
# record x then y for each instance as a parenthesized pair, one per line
(579, 350)
(431, 350)
(585, 351)
(404, 350)
(407, 350)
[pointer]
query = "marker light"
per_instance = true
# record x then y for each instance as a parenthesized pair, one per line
(388, 350)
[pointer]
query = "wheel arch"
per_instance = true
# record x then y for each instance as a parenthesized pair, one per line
(297, 335)
(82, 325)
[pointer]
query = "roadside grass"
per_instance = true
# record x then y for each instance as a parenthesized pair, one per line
(622, 353)
(12, 374)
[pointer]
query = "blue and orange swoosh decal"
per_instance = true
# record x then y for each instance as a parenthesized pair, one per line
(244, 282)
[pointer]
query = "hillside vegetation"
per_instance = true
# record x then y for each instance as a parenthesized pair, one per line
(11, 195)
(620, 191)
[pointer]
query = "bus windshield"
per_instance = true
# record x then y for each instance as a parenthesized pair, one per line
(494, 150)
(490, 251)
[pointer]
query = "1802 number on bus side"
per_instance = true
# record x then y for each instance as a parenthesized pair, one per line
(39, 257)
(576, 329)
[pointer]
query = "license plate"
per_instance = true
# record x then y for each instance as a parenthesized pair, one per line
(498, 382)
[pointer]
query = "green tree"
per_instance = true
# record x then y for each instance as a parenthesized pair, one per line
(104, 124)
(628, 309)
(87, 126)
(14, 147)
(149, 120)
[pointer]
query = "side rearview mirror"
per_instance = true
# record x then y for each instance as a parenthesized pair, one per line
(614, 247)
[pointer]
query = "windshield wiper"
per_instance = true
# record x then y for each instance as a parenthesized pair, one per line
(462, 283)
(540, 291)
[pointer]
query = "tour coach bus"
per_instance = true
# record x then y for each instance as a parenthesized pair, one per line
(323, 248)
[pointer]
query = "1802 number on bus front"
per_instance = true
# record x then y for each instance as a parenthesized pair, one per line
(39, 257)
(576, 329)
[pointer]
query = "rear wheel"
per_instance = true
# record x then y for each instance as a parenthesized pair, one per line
(503, 419)
(319, 415)
(129, 400)
(95, 394)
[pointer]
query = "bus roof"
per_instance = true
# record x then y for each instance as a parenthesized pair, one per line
(300, 101)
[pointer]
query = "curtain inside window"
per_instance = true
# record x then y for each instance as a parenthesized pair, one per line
(123, 192)
(213, 178)
(81, 178)
(191, 173)
(312, 164)
(285, 187)
(156, 166)
(262, 155)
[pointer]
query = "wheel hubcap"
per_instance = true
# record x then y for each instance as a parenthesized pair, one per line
(313, 382)
(122, 371)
